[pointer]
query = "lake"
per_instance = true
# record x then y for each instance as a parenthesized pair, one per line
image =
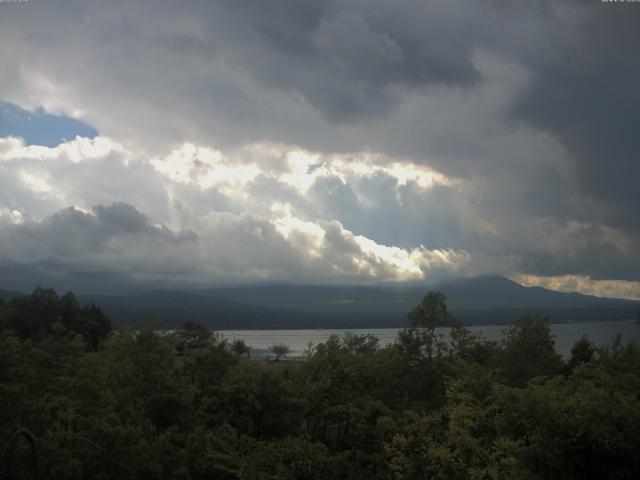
(600, 333)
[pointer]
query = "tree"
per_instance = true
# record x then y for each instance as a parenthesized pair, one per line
(92, 323)
(420, 340)
(528, 351)
(583, 351)
(280, 350)
(432, 312)
(44, 314)
(193, 335)
(360, 344)
(240, 348)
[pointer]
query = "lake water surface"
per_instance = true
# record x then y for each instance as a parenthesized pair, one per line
(600, 333)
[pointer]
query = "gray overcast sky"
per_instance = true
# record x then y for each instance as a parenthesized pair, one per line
(347, 141)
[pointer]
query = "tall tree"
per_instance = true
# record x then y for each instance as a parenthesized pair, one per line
(420, 340)
(528, 350)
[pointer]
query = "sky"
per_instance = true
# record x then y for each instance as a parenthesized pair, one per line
(157, 144)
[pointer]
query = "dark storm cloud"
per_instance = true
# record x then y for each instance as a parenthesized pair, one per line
(345, 57)
(587, 95)
(349, 61)
(101, 250)
(72, 232)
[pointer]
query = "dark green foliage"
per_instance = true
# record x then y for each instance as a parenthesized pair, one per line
(360, 343)
(44, 314)
(528, 351)
(240, 348)
(440, 403)
(621, 357)
(583, 426)
(292, 458)
(582, 352)
(191, 336)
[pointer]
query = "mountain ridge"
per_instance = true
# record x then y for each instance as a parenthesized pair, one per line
(476, 300)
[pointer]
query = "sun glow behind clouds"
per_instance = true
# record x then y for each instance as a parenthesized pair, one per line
(300, 169)
(583, 284)
(205, 168)
(370, 258)
(303, 169)
(306, 167)
(309, 233)
(246, 230)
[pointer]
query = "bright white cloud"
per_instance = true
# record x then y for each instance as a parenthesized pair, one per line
(77, 150)
(306, 167)
(10, 216)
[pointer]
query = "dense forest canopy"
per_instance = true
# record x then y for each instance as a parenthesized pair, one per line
(125, 404)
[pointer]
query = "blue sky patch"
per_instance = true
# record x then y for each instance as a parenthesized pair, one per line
(40, 127)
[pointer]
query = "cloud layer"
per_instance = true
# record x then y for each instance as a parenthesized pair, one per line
(414, 138)
(216, 220)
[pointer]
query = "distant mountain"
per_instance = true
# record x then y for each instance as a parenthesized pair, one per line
(8, 294)
(169, 308)
(498, 300)
(480, 300)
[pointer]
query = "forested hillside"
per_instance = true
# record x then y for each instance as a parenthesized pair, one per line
(123, 404)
